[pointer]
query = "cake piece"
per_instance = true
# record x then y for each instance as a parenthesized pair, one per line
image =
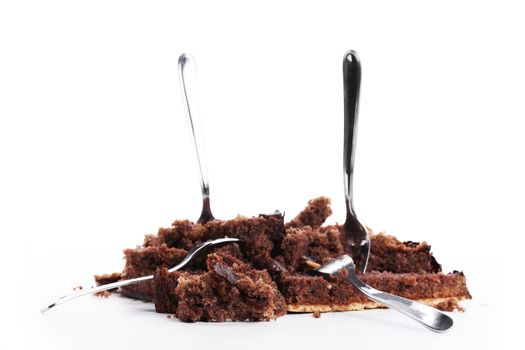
(143, 261)
(165, 283)
(229, 290)
(306, 293)
(107, 278)
(304, 246)
(387, 253)
(314, 215)
(260, 233)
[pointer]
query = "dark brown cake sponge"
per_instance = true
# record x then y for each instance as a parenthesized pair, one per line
(314, 215)
(229, 290)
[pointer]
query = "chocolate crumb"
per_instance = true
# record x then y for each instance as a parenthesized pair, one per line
(103, 294)
(316, 314)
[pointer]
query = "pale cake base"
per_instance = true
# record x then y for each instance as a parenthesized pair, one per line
(368, 305)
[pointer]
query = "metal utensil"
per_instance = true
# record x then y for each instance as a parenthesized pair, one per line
(355, 236)
(196, 252)
(429, 317)
(188, 81)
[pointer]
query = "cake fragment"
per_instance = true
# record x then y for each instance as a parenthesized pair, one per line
(303, 245)
(314, 215)
(143, 261)
(107, 278)
(387, 253)
(229, 290)
(306, 293)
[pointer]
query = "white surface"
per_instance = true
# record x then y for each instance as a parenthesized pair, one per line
(119, 318)
(95, 151)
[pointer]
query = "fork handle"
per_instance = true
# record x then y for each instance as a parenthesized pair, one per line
(102, 288)
(351, 84)
(188, 80)
(429, 317)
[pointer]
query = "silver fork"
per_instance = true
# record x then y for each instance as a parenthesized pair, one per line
(355, 236)
(196, 252)
(188, 82)
(429, 317)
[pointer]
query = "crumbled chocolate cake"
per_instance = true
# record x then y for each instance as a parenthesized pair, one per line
(261, 235)
(229, 291)
(270, 273)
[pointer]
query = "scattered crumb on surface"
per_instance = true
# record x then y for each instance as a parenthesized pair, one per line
(316, 314)
(79, 287)
(103, 294)
(459, 308)
(449, 305)
(169, 316)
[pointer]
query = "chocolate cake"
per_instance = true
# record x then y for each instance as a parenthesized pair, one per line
(229, 290)
(271, 272)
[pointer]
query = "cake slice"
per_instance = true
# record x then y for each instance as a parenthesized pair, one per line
(305, 293)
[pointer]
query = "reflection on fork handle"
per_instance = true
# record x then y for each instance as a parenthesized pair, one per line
(188, 81)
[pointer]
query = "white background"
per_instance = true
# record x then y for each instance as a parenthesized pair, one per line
(95, 152)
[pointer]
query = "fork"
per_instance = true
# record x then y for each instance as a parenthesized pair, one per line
(188, 82)
(429, 317)
(355, 236)
(196, 252)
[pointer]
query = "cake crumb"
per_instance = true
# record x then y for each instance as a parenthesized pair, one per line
(312, 264)
(316, 314)
(450, 305)
(79, 287)
(103, 294)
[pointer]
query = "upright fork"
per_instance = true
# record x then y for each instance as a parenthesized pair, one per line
(188, 82)
(355, 236)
